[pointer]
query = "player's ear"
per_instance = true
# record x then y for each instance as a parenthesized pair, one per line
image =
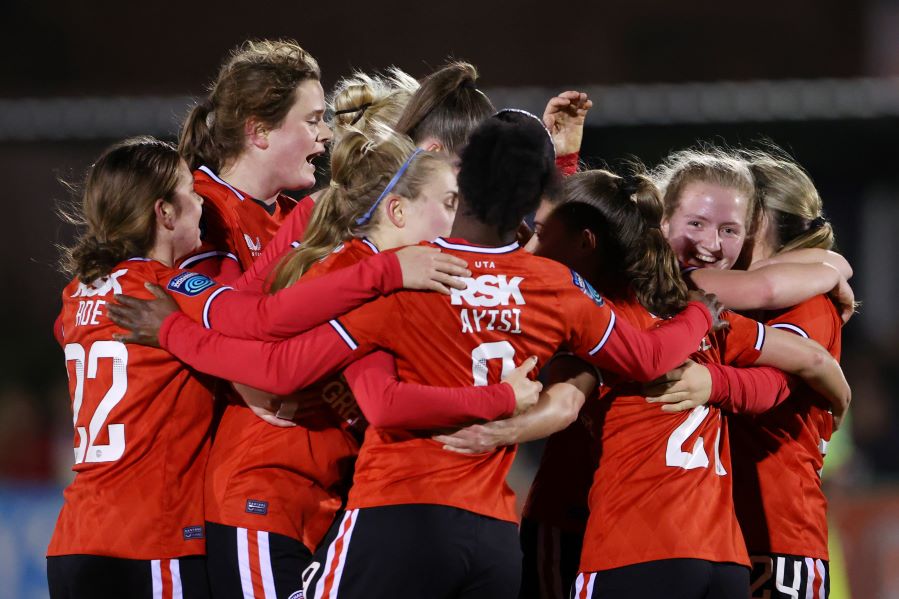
(664, 227)
(165, 213)
(587, 241)
(256, 132)
(395, 206)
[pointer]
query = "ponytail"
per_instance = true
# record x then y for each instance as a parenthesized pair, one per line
(625, 215)
(447, 107)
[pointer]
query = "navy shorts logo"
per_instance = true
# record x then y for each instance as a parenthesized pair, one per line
(582, 284)
(190, 284)
(193, 532)
(254, 506)
(296, 595)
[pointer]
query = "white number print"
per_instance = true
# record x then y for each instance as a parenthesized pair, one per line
(87, 449)
(498, 350)
(676, 457)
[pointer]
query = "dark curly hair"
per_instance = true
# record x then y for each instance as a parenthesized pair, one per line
(506, 168)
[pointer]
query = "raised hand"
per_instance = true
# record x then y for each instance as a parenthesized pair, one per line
(564, 117)
(427, 268)
(143, 318)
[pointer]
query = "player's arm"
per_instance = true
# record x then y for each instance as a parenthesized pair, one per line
(771, 287)
(300, 307)
(612, 344)
(809, 256)
(388, 402)
(569, 382)
(750, 390)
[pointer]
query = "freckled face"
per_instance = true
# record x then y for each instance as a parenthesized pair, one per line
(708, 228)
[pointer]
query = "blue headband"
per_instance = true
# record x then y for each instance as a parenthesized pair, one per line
(396, 178)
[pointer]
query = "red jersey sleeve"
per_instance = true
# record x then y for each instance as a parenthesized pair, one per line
(747, 390)
(814, 319)
(300, 307)
(389, 403)
(192, 291)
(567, 163)
(279, 367)
(742, 342)
(613, 344)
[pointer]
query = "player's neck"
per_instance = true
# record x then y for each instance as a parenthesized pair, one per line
(479, 233)
(162, 253)
(249, 179)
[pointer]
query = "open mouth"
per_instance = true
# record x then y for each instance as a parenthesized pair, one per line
(705, 258)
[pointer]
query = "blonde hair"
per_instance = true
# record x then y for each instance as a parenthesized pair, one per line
(790, 201)
(115, 212)
(259, 80)
(362, 99)
(361, 168)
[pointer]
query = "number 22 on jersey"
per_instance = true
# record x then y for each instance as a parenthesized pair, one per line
(88, 450)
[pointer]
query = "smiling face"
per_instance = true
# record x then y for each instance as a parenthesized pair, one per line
(708, 227)
(300, 138)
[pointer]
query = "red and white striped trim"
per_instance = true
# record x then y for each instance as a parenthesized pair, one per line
(790, 327)
(221, 181)
(208, 303)
(605, 336)
(583, 585)
(166, 579)
(257, 581)
(194, 260)
(329, 584)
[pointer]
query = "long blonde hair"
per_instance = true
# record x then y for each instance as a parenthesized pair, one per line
(361, 168)
(790, 200)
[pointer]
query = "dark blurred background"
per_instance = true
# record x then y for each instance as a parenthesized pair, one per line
(819, 78)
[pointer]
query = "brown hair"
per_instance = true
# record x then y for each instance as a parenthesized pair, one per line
(116, 210)
(259, 80)
(362, 99)
(361, 167)
(791, 202)
(446, 107)
(624, 214)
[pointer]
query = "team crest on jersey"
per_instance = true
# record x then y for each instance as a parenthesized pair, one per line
(193, 532)
(582, 284)
(255, 246)
(190, 284)
(255, 506)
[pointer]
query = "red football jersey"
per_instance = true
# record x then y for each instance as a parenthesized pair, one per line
(290, 481)
(236, 227)
(663, 486)
(516, 305)
(142, 421)
(778, 455)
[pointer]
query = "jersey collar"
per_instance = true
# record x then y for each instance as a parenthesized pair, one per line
(463, 246)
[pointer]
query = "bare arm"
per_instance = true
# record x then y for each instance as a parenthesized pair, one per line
(809, 256)
(772, 287)
(570, 382)
(812, 363)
